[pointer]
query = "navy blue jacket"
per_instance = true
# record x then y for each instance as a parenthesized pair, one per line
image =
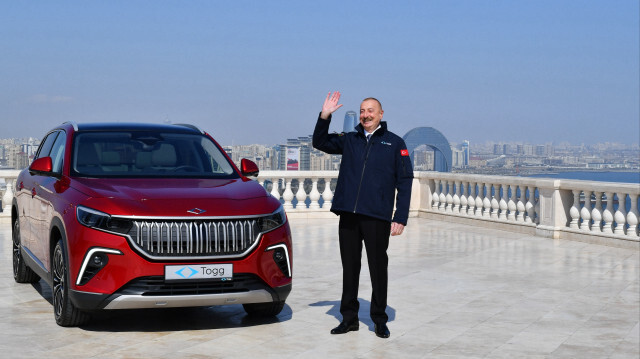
(370, 173)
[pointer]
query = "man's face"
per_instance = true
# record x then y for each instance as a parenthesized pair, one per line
(370, 115)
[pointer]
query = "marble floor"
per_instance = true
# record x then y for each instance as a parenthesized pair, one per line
(455, 291)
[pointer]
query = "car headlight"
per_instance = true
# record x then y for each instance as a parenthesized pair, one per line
(102, 221)
(272, 221)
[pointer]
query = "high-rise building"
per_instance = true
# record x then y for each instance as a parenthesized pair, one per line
(465, 149)
(350, 122)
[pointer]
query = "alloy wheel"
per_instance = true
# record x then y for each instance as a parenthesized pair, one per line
(58, 281)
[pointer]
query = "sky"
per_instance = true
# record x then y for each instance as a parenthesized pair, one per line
(258, 71)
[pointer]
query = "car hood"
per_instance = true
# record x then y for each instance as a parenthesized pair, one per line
(176, 197)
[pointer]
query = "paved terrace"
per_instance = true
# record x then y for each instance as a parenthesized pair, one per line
(455, 291)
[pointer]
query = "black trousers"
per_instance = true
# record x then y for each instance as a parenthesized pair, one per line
(354, 229)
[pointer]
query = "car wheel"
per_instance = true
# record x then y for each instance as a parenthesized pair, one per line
(66, 314)
(264, 309)
(21, 273)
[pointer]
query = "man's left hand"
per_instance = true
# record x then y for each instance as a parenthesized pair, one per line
(396, 229)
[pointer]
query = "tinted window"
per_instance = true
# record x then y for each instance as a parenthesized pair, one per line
(47, 143)
(148, 154)
(57, 152)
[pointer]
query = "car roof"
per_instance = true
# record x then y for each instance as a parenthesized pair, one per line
(133, 126)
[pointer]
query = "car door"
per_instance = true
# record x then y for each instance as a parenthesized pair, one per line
(26, 197)
(46, 199)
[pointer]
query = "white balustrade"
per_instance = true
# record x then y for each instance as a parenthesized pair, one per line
(503, 200)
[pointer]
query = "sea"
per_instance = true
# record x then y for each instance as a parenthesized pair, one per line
(602, 176)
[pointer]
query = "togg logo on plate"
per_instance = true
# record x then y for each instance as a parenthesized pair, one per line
(186, 272)
(218, 271)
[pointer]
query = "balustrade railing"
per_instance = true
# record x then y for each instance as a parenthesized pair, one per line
(547, 207)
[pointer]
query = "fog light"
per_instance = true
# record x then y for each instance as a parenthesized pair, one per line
(98, 260)
(281, 257)
(278, 255)
(93, 262)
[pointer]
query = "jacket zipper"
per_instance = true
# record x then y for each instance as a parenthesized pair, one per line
(369, 143)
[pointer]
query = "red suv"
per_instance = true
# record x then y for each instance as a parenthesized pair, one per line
(119, 216)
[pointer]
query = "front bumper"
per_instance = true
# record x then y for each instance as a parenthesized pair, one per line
(248, 289)
(130, 281)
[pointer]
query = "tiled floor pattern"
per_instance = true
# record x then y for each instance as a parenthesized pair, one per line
(455, 291)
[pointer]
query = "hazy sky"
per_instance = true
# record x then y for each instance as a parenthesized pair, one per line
(258, 71)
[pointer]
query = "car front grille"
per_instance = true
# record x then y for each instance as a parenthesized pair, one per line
(200, 239)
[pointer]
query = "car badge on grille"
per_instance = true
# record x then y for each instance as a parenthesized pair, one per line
(196, 211)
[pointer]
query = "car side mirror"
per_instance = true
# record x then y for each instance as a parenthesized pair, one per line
(42, 164)
(249, 168)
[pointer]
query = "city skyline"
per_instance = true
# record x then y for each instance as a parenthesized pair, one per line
(530, 72)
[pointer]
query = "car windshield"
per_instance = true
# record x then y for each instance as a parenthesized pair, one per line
(148, 154)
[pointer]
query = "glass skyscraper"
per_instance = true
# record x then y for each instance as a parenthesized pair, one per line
(350, 122)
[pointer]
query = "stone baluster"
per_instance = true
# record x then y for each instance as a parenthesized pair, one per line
(596, 213)
(480, 199)
(504, 195)
(607, 214)
(536, 208)
(443, 196)
(520, 206)
(274, 188)
(449, 197)
(632, 216)
(530, 207)
(314, 195)
(574, 212)
(471, 200)
(621, 214)
(327, 194)
(456, 197)
(301, 195)
(511, 205)
(486, 200)
(287, 195)
(436, 195)
(495, 201)
(464, 189)
(585, 212)
(7, 197)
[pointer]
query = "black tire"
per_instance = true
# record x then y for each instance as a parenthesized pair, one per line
(263, 309)
(21, 273)
(66, 314)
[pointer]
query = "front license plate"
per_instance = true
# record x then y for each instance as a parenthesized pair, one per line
(199, 271)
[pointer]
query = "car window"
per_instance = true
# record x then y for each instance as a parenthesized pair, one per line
(148, 154)
(46, 144)
(57, 152)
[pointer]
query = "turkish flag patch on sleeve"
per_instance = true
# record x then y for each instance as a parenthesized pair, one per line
(404, 152)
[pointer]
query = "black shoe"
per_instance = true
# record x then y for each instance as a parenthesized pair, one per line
(345, 327)
(381, 330)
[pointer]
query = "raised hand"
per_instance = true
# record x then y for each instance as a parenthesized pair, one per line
(330, 105)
